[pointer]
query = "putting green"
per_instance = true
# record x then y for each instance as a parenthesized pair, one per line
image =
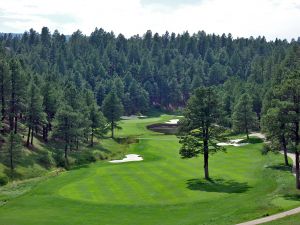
(161, 189)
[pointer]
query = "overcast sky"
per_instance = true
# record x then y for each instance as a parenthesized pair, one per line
(242, 18)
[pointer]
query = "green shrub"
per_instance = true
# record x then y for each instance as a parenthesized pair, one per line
(265, 149)
(3, 180)
(46, 159)
(85, 157)
(99, 155)
(126, 140)
(27, 172)
(59, 159)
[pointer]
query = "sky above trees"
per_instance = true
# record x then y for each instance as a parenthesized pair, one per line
(242, 18)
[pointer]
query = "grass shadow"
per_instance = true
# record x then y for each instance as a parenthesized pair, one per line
(217, 185)
(80, 167)
(252, 140)
(280, 167)
(293, 197)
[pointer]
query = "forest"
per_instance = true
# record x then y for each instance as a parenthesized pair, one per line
(72, 89)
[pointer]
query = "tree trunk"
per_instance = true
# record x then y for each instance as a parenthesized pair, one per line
(11, 123)
(49, 127)
(11, 152)
(297, 169)
(205, 155)
(16, 124)
(12, 106)
(297, 140)
(284, 149)
(92, 138)
(31, 141)
(28, 136)
(247, 133)
(44, 132)
(2, 99)
(66, 155)
(286, 161)
(112, 129)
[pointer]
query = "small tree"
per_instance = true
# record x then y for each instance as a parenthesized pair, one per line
(67, 127)
(290, 92)
(112, 109)
(276, 126)
(34, 111)
(4, 78)
(198, 127)
(17, 88)
(50, 105)
(98, 123)
(14, 148)
(244, 118)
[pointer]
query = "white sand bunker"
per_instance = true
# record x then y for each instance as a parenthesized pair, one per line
(234, 142)
(173, 121)
(128, 158)
(133, 117)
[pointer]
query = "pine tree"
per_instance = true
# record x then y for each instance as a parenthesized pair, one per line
(290, 93)
(17, 85)
(51, 98)
(199, 131)
(243, 116)
(14, 147)
(67, 127)
(275, 124)
(34, 111)
(112, 109)
(98, 123)
(4, 76)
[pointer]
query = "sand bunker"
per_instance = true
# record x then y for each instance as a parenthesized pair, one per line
(128, 158)
(259, 135)
(173, 121)
(234, 142)
(133, 117)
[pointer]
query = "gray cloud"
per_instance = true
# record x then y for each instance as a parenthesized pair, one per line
(11, 17)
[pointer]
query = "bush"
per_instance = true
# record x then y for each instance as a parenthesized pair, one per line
(59, 159)
(85, 157)
(100, 155)
(127, 140)
(3, 180)
(265, 149)
(46, 159)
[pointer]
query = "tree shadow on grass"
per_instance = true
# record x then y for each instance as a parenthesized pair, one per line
(293, 197)
(280, 167)
(217, 185)
(80, 167)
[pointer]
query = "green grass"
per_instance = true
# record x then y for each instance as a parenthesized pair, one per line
(162, 189)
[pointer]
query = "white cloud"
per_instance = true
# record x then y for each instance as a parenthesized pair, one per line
(242, 18)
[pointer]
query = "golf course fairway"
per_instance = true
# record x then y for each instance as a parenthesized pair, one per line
(162, 189)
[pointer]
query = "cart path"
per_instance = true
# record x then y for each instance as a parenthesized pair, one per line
(273, 217)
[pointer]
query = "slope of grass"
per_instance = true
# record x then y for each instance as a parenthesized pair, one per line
(162, 189)
(41, 157)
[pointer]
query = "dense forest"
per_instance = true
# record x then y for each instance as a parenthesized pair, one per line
(71, 87)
